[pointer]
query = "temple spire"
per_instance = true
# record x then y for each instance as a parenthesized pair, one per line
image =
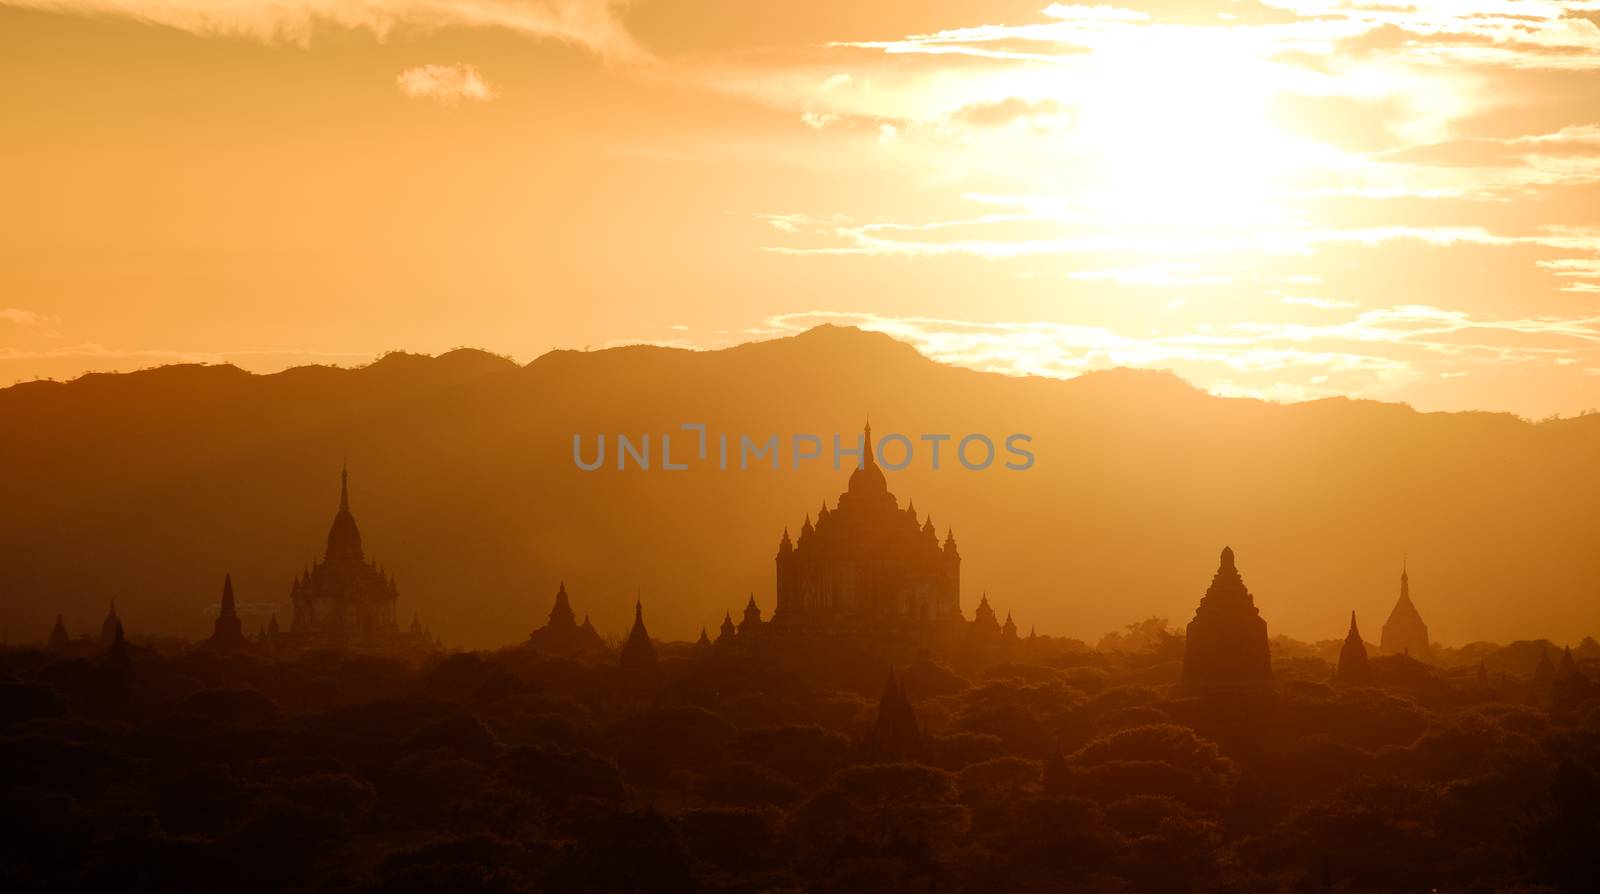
(344, 538)
(227, 633)
(638, 653)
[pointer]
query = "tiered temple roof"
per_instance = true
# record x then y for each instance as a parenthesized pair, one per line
(561, 634)
(345, 597)
(1227, 640)
(867, 562)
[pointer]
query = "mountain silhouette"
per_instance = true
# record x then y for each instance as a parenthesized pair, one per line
(145, 487)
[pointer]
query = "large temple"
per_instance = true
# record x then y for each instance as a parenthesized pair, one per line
(345, 598)
(866, 563)
(1405, 632)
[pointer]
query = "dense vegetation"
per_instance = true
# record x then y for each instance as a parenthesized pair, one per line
(1053, 767)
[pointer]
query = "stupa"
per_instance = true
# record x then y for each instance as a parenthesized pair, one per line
(1227, 640)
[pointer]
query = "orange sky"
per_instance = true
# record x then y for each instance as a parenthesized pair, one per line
(1287, 199)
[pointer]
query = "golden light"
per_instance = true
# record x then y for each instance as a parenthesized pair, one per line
(1176, 127)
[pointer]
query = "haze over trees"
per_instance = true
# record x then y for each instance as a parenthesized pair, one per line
(1031, 764)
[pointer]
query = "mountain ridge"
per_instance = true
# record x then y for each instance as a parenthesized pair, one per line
(146, 487)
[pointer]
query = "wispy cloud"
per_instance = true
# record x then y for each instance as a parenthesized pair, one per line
(448, 84)
(594, 24)
(22, 317)
(1373, 353)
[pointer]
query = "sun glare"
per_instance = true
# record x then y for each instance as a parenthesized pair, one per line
(1178, 134)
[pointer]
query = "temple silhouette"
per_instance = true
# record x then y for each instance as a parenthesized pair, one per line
(1227, 640)
(1354, 668)
(227, 633)
(345, 597)
(866, 563)
(562, 635)
(1405, 633)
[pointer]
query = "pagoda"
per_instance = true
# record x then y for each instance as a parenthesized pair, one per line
(638, 653)
(1353, 664)
(895, 735)
(345, 597)
(1405, 633)
(561, 635)
(1227, 640)
(227, 634)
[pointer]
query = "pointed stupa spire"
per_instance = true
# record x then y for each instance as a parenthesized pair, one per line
(108, 629)
(1353, 664)
(344, 538)
(117, 651)
(638, 653)
(227, 632)
(58, 637)
(983, 617)
(1405, 631)
(896, 735)
(867, 480)
(561, 614)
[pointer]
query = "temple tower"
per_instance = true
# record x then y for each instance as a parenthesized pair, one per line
(1227, 640)
(227, 633)
(1353, 664)
(1404, 632)
(108, 628)
(59, 641)
(344, 597)
(638, 653)
(895, 735)
(561, 634)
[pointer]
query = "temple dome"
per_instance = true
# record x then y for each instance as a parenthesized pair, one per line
(868, 478)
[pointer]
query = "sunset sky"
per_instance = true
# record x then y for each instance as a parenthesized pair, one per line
(1287, 199)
